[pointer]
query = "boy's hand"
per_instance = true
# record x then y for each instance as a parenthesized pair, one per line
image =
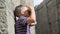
(30, 20)
(30, 8)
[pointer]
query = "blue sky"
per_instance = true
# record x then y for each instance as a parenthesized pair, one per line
(36, 2)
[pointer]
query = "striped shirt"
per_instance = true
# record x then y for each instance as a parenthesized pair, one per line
(21, 27)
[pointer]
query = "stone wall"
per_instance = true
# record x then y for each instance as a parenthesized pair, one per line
(3, 24)
(58, 9)
(27, 2)
(7, 21)
(48, 16)
(7, 16)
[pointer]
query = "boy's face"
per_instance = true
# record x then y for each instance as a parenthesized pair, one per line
(23, 10)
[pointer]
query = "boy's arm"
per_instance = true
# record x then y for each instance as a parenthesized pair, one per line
(33, 15)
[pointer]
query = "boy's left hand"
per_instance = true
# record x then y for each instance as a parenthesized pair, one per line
(30, 20)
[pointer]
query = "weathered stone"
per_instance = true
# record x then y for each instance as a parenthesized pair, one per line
(7, 16)
(47, 16)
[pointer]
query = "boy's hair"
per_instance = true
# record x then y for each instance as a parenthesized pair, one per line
(17, 10)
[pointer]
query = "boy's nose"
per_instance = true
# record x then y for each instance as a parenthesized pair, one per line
(24, 9)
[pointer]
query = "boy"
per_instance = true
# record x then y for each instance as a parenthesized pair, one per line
(24, 20)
